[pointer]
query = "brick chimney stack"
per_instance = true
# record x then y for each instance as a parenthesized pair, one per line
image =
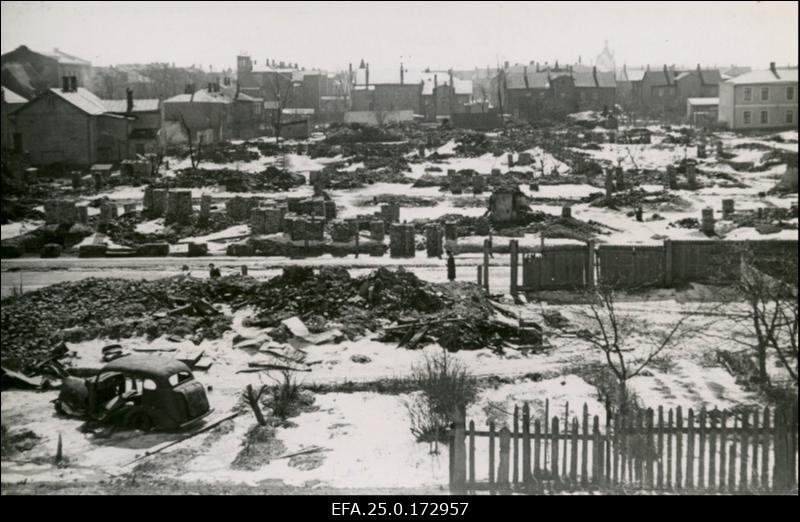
(525, 76)
(65, 83)
(402, 74)
(594, 75)
(129, 100)
(773, 69)
(366, 75)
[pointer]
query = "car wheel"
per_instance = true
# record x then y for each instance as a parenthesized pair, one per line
(139, 420)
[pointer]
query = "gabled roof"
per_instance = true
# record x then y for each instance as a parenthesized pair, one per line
(201, 96)
(660, 77)
(121, 106)
(13, 98)
(515, 78)
(587, 79)
(784, 75)
(242, 97)
(83, 99)
(630, 75)
(443, 78)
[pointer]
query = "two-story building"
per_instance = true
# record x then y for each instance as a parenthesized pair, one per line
(765, 99)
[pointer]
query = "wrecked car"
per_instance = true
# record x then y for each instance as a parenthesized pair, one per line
(139, 392)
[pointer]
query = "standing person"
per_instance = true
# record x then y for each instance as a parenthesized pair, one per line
(213, 271)
(451, 266)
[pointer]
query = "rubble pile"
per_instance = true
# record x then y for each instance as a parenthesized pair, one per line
(123, 230)
(114, 308)
(356, 133)
(635, 198)
(228, 152)
(338, 179)
(65, 235)
(269, 180)
(399, 199)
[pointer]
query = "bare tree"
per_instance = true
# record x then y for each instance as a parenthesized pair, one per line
(629, 343)
(194, 153)
(771, 314)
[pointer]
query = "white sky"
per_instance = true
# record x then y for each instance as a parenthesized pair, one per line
(436, 34)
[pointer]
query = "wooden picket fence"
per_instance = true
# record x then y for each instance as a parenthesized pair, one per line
(743, 451)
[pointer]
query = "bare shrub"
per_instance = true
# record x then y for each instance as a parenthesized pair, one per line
(445, 386)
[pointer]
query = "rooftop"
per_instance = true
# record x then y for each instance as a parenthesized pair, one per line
(201, 96)
(13, 98)
(121, 106)
(782, 75)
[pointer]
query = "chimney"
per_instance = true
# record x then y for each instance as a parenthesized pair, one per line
(73, 83)
(773, 69)
(666, 74)
(65, 83)
(210, 87)
(594, 75)
(505, 65)
(525, 76)
(366, 75)
(402, 77)
(189, 89)
(129, 100)
(537, 66)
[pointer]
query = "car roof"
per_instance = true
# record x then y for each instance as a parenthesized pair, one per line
(154, 365)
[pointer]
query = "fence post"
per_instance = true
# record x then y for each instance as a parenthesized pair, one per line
(597, 453)
(668, 262)
(503, 468)
(480, 275)
(754, 434)
(573, 462)
(792, 446)
(459, 448)
(537, 449)
(669, 449)
(472, 455)
(651, 452)
(712, 450)
(513, 247)
(778, 482)
(486, 250)
(660, 451)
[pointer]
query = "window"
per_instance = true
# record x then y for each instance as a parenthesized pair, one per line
(764, 117)
(789, 117)
(748, 94)
(148, 384)
(747, 117)
(790, 93)
(765, 94)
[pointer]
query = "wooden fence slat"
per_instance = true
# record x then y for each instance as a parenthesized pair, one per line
(503, 466)
(777, 450)
(669, 449)
(617, 443)
(526, 446)
(723, 451)
(597, 452)
(573, 458)
(491, 456)
(585, 447)
(641, 454)
(472, 455)
(564, 468)
(679, 449)
(660, 450)
(554, 451)
(754, 469)
(701, 461)
(792, 447)
(546, 440)
(765, 431)
(690, 451)
(650, 448)
(515, 458)
(606, 465)
(732, 466)
(744, 453)
(712, 450)
(537, 471)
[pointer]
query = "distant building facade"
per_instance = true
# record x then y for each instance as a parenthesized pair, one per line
(765, 99)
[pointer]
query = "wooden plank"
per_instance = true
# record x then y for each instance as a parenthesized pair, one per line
(526, 446)
(679, 450)
(712, 450)
(641, 456)
(472, 455)
(537, 444)
(491, 457)
(617, 444)
(573, 459)
(690, 451)
(792, 446)
(515, 459)
(606, 465)
(565, 452)
(660, 449)
(754, 469)
(585, 447)
(732, 467)
(723, 451)
(744, 438)
(546, 441)
(651, 454)
(503, 467)
(777, 450)
(701, 461)
(765, 451)
(554, 449)
(669, 460)
(597, 453)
